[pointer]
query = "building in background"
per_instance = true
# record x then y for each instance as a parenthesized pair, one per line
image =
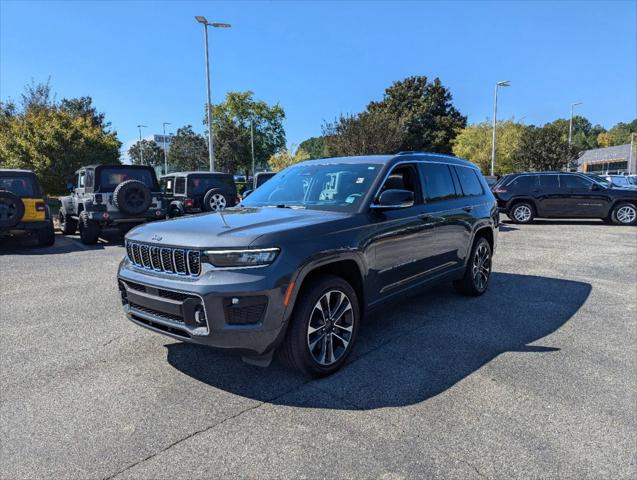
(614, 160)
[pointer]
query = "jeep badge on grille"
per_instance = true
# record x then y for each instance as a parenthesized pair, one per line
(156, 238)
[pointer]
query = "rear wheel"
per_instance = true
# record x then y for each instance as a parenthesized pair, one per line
(68, 224)
(625, 214)
(478, 272)
(89, 230)
(323, 327)
(522, 213)
(46, 236)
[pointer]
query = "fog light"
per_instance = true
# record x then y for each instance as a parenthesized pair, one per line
(200, 315)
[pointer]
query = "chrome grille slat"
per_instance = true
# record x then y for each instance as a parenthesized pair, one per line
(166, 260)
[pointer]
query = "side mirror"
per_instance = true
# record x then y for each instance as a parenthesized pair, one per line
(246, 193)
(594, 187)
(394, 198)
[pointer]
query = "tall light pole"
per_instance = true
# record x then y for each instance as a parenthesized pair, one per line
(570, 123)
(252, 146)
(504, 83)
(205, 24)
(141, 147)
(165, 149)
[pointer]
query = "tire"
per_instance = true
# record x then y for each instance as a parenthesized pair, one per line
(46, 236)
(68, 225)
(132, 197)
(214, 200)
(296, 351)
(522, 212)
(476, 277)
(11, 209)
(624, 214)
(89, 230)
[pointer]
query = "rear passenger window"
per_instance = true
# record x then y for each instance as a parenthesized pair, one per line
(469, 181)
(438, 182)
(524, 182)
(180, 185)
(572, 181)
(549, 181)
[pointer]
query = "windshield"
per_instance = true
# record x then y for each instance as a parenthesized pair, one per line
(112, 177)
(200, 184)
(622, 181)
(331, 186)
(20, 185)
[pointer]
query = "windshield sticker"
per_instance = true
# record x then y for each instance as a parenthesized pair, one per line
(360, 180)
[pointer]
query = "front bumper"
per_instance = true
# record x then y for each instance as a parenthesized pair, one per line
(240, 310)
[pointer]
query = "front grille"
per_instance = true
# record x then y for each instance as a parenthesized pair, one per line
(167, 260)
(175, 295)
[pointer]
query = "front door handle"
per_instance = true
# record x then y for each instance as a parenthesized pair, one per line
(468, 208)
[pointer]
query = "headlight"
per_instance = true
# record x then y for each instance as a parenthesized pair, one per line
(258, 257)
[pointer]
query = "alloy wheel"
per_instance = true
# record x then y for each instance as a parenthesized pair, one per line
(626, 214)
(481, 268)
(217, 202)
(330, 328)
(522, 213)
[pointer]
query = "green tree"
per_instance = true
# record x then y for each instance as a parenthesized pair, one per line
(188, 150)
(620, 133)
(232, 120)
(283, 159)
(584, 133)
(543, 148)
(315, 147)
(474, 143)
(146, 152)
(414, 114)
(52, 141)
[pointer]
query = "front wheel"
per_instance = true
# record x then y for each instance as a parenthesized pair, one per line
(625, 214)
(323, 327)
(478, 272)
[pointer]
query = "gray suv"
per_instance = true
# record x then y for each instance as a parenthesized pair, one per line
(104, 196)
(298, 263)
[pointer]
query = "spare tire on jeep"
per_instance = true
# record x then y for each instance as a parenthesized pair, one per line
(11, 209)
(214, 200)
(132, 197)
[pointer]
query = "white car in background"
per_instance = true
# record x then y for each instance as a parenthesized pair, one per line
(622, 181)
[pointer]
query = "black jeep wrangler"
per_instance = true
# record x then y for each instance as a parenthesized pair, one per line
(120, 196)
(194, 192)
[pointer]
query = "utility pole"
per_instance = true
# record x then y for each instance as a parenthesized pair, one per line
(504, 83)
(252, 146)
(165, 149)
(141, 146)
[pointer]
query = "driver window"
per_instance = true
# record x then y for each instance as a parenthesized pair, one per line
(80, 180)
(403, 177)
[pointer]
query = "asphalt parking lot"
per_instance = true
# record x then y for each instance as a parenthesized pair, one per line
(537, 378)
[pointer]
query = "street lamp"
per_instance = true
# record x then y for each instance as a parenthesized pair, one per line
(252, 146)
(504, 83)
(141, 147)
(205, 24)
(165, 149)
(570, 123)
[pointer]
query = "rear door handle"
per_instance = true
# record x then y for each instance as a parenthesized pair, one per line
(468, 208)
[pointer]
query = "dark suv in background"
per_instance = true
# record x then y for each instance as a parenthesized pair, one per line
(307, 254)
(525, 196)
(195, 192)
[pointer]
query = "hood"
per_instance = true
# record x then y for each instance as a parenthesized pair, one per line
(236, 227)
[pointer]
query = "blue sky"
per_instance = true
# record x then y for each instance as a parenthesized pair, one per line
(142, 62)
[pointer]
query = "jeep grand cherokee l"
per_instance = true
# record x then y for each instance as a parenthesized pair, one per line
(298, 264)
(525, 196)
